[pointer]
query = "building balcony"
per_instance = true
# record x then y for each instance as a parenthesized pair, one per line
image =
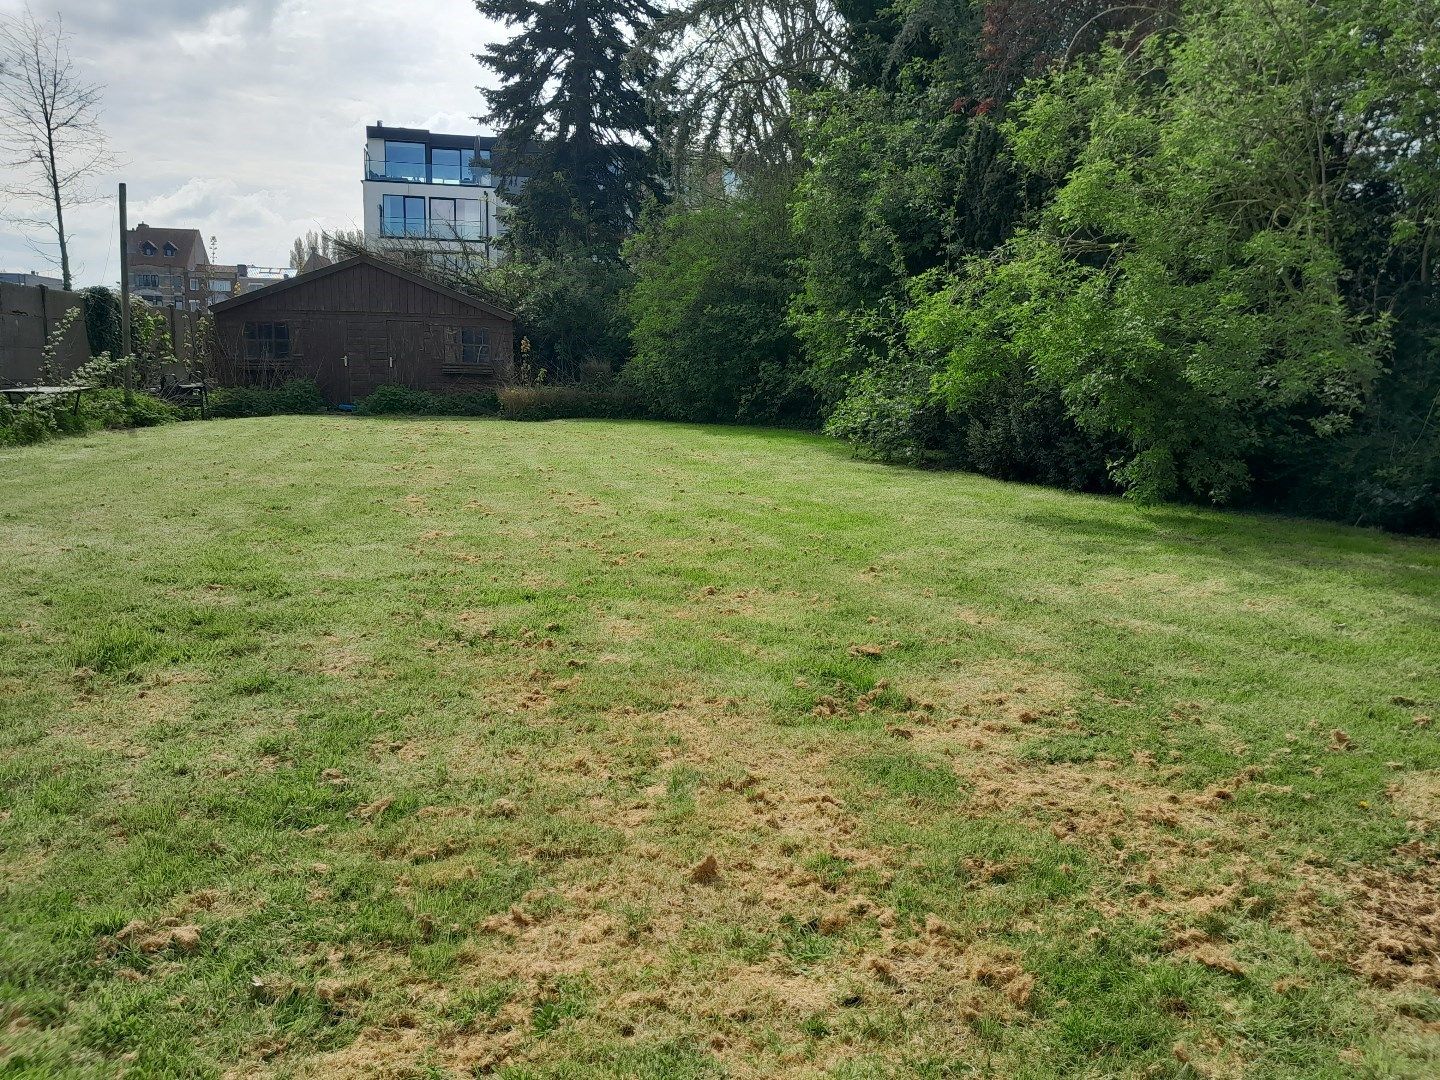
(418, 172)
(416, 229)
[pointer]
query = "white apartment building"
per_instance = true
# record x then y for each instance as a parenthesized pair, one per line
(430, 192)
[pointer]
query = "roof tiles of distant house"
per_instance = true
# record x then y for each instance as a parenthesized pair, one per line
(188, 245)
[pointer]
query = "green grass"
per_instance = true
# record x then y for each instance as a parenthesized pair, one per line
(423, 725)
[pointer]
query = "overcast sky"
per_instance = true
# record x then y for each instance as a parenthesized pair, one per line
(245, 118)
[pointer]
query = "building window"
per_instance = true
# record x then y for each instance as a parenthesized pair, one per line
(402, 215)
(147, 281)
(445, 166)
(220, 285)
(171, 251)
(196, 284)
(405, 161)
(147, 248)
(474, 345)
(470, 219)
(442, 218)
(267, 341)
(478, 170)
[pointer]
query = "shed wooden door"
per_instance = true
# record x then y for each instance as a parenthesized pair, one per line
(407, 347)
(368, 362)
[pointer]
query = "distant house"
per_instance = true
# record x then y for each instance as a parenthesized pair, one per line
(359, 324)
(170, 268)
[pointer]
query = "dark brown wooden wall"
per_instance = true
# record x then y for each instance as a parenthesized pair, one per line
(362, 327)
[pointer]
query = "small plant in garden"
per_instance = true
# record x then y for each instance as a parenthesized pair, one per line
(298, 396)
(54, 343)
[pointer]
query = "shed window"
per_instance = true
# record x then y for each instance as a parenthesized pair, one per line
(474, 345)
(267, 341)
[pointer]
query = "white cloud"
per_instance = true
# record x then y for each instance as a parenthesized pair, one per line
(245, 118)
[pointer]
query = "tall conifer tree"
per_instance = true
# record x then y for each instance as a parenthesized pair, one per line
(571, 112)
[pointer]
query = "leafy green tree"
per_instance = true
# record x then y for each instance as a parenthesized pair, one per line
(901, 183)
(1185, 289)
(569, 310)
(708, 308)
(572, 115)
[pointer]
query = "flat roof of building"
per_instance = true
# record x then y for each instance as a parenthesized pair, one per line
(431, 138)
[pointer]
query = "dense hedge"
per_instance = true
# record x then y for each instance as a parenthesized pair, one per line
(566, 402)
(407, 401)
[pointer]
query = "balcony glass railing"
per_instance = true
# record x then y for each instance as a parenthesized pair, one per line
(417, 172)
(415, 229)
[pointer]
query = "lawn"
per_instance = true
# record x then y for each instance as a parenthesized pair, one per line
(334, 747)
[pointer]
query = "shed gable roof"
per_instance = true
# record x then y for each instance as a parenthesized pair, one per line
(299, 281)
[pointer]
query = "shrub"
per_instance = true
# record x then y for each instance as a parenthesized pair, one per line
(408, 401)
(709, 308)
(102, 320)
(399, 399)
(569, 308)
(109, 409)
(471, 403)
(1016, 429)
(31, 423)
(298, 396)
(233, 401)
(41, 419)
(565, 402)
(890, 415)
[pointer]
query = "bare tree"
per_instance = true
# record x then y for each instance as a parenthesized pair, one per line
(728, 70)
(49, 128)
(330, 244)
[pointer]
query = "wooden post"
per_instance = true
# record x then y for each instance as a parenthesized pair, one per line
(125, 304)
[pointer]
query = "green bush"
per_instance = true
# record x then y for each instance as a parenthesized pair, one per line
(38, 420)
(565, 402)
(108, 408)
(709, 308)
(397, 401)
(407, 401)
(102, 320)
(1016, 429)
(298, 396)
(233, 401)
(890, 415)
(31, 423)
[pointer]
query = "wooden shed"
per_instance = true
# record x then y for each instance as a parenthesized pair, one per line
(360, 324)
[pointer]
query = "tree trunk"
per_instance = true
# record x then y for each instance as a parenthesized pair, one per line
(64, 246)
(59, 210)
